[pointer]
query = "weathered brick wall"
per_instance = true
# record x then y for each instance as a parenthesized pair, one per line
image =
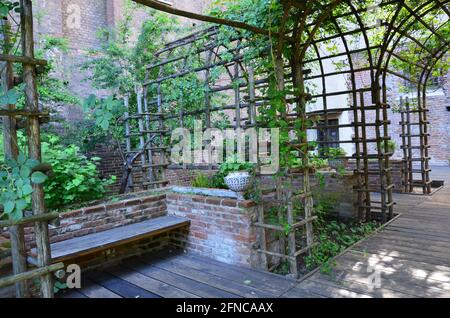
(220, 228)
(396, 174)
(111, 164)
(79, 22)
(103, 217)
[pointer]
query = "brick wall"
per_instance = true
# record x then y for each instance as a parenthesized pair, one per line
(103, 217)
(60, 18)
(220, 228)
(111, 164)
(396, 174)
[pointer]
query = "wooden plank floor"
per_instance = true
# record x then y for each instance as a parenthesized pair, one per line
(411, 258)
(180, 275)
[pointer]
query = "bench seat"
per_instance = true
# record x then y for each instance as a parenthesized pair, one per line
(100, 241)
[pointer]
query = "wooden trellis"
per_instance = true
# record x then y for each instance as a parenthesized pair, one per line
(367, 105)
(32, 116)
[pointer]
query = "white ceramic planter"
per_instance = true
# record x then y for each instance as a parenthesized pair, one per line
(239, 182)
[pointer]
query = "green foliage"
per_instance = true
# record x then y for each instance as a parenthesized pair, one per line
(75, 177)
(230, 165)
(7, 6)
(105, 111)
(16, 180)
(120, 62)
(202, 181)
(335, 152)
(333, 238)
(9, 98)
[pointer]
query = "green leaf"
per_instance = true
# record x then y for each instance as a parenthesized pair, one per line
(89, 102)
(31, 163)
(9, 206)
(38, 177)
(27, 189)
(21, 159)
(21, 204)
(25, 172)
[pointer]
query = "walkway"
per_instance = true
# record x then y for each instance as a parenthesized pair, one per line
(409, 258)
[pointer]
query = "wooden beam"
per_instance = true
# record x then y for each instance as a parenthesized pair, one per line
(236, 24)
(31, 219)
(30, 274)
(21, 59)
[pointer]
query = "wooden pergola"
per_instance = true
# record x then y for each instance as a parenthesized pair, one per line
(368, 105)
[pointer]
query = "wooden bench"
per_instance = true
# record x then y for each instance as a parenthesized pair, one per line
(96, 242)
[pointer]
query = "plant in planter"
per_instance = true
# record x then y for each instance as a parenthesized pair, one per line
(336, 159)
(236, 176)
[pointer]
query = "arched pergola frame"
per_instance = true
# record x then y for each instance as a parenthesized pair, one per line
(344, 22)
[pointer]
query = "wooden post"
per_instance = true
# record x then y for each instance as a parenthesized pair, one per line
(367, 196)
(291, 235)
(126, 102)
(149, 136)
(237, 96)
(252, 96)
(147, 177)
(34, 144)
(11, 150)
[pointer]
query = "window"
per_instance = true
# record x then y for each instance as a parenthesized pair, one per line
(333, 134)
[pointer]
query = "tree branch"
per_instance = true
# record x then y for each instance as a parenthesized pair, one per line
(236, 24)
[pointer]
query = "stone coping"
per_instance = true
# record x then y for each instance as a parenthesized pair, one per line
(211, 200)
(206, 192)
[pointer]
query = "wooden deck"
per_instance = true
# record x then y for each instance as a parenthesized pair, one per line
(410, 257)
(180, 275)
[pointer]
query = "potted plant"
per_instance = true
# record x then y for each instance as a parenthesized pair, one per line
(237, 176)
(337, 158)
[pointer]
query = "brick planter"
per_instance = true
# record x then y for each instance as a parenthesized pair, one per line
(221, 228)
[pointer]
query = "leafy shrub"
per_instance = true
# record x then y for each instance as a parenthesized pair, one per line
(75, 177)
(16, 179)
(202, 181)
(333, 238)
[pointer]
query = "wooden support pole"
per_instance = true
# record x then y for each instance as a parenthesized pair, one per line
(34, 144)
(22, 59)
(251, 95)
(142, 142)
(18, 253)
(291, 235)
(149, 136)
(237, 96)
